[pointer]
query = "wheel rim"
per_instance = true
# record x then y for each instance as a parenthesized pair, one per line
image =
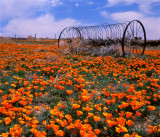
(134, 39)
(69, 38)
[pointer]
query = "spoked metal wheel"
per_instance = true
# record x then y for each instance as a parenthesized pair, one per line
(69, 40)
(134, 39)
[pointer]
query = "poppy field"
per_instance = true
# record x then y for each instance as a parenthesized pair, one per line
(44, 93)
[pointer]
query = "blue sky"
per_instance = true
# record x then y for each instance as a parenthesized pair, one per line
(48, 17)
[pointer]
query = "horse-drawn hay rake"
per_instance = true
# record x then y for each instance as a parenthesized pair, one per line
(131, 36)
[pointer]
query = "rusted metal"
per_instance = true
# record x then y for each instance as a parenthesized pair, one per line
(129, 35)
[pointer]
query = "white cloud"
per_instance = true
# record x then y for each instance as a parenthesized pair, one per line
(17, 8)
(104, 13)
(144, 5)
(126, 16)
(113, 2)
(77, 4)
(90, 3)
(56, 3)
(43, 26)
(151, 24)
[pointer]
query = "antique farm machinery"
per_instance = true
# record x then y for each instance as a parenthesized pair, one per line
(131, 36)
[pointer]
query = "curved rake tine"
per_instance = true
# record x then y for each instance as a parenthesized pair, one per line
(127, 34)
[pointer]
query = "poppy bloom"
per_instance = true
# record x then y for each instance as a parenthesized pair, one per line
(69, 92)
(7, 120)
(1, 91)
(35, 87)
(151, 108)
(75, 106)
(36, 108)
(138, 114)
(55, 128)
(60, 133)
(86, 120)
(152, 129)
(123, 105)
(69, 118)
(107, 115)
(90, 115)
(128, 114)
(97, 131)
(110, 123)
(22, 122)
(96, 118)
(82, 132)
(79, 113)
(13, 85)
(121, 114)
(86, 98)
(6, 83)
(61, 87)
(129, 122)
(71, 126)
(16, 131)
(121, 121)
(120, 129)
(78, 124)
(108, 102)
(124, 85)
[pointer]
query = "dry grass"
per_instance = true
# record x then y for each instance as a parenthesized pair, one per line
(70, 46)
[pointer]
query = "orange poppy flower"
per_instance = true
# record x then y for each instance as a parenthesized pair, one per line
(86, 98)
(151, 108)
(1, 91)
(138, 114)
(55, 128)
(110, 123)
(120, 129)
(7, 120)
(22, 122)
(124, 85)
(69, 83)
(75, 106)
(79, 113)
(78, 124)
(129, 122)
(123, 105)
(97, 131)
(69, 117)
(90, 115)
(69, 92)
(6, 83)
(86, 127)
(107, 115)
(152, 129)
(82, 132)
(15, 131)
(61, 87)
(96, 118)
(36, 108)
(86, 120)
(108, 102)
(13, 85)
(128, 114)
(71, 126)
(60, 133)
(121, 121)
(121, 114)
(24, 103)
(128, 135)
(35, 87)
